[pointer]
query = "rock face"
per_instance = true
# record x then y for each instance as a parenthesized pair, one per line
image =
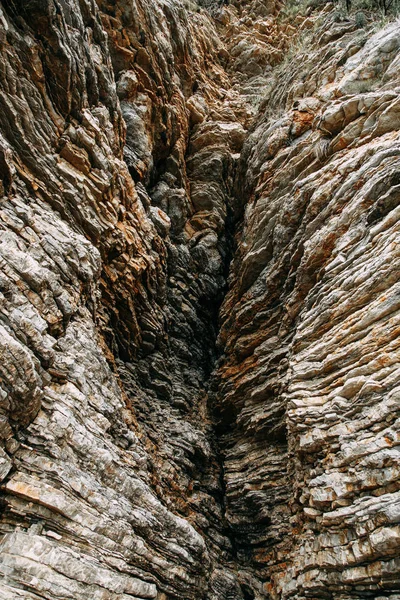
(308, 388)
(199, 305)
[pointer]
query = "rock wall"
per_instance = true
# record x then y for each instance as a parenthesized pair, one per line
(308, 385)
(155, 444)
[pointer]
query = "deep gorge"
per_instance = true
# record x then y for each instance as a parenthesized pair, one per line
(199, 301)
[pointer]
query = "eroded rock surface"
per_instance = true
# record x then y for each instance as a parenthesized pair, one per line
(134, 165)
(308, 388)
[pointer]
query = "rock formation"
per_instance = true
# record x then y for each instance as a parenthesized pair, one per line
(199, 355)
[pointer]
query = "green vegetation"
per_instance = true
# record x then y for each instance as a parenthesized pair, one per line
(376, 8)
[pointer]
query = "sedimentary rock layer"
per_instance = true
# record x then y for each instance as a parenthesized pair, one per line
(150, 446)
(106, 321)
(308, 385)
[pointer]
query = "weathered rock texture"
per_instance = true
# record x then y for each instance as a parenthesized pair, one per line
(308, 388)
(149, 447)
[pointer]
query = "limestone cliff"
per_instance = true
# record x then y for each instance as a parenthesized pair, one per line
(199, 302)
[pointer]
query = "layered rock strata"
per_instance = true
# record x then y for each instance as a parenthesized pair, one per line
(120, 136)
(126, 190)
(308, 385)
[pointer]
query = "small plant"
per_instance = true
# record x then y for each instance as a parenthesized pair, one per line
(339, 16)
(361, 20)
